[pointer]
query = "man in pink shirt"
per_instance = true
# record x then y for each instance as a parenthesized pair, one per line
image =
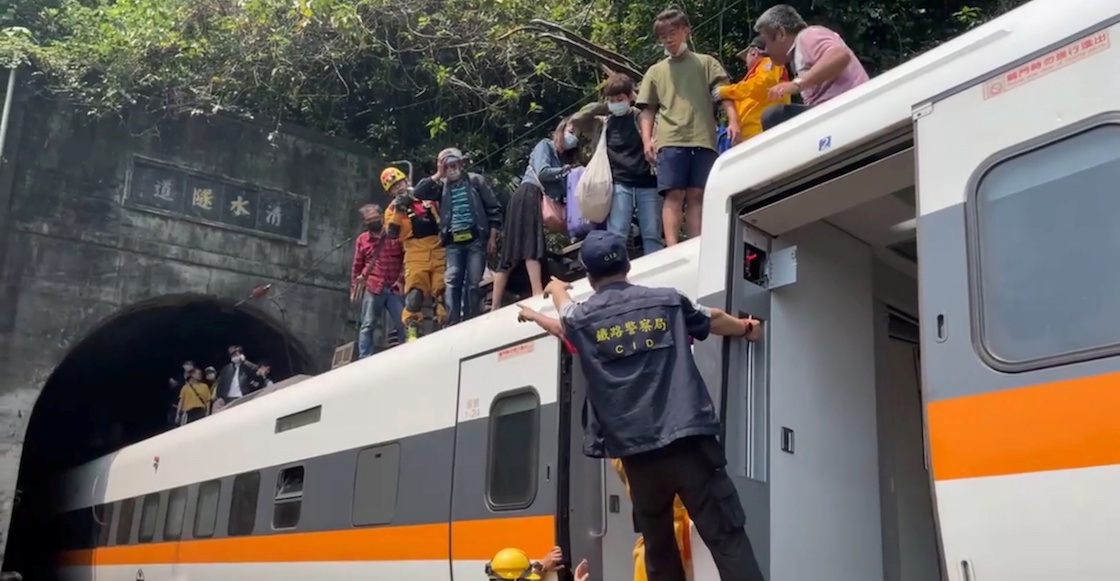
(823, 66)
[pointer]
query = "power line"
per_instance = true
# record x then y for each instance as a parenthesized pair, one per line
(563, 111)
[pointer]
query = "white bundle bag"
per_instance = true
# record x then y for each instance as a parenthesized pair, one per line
(593, 192)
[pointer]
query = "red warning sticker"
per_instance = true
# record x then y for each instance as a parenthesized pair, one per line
(515, 351)
(1047, 63)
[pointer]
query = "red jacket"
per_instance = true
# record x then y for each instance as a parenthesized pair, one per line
(390, 260)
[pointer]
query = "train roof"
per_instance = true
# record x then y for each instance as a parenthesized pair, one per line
(409, 389)
(885, 105)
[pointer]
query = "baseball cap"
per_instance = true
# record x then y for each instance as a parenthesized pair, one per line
(450, 154)
(756, 42)
(602, 252)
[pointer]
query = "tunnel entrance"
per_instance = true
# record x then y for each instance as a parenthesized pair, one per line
(112, 389)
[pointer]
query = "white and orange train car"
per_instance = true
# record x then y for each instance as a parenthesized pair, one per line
(935, 396)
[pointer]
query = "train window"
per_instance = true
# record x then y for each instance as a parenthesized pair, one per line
(103, 523)
(124, 522)
(511, 475)
(1043, 228)
(375, 485)
(176, 510)
(206, 509)
(148, 513)
(243, 505)
(288, 501)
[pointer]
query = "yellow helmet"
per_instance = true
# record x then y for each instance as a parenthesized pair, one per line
(390, 176)
(511, 565)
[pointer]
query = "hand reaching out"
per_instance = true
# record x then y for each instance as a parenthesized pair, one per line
(553, 560)
(582, 572)
(554, 286)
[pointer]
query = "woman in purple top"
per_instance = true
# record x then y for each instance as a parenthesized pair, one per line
(823, 65)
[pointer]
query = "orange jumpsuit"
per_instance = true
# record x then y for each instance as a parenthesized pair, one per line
(749, 95)
(416, 222)
(680, 527)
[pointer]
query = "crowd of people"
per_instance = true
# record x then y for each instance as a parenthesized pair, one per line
(662, 136)
(199, 391)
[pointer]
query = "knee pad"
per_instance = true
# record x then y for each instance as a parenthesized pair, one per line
(414, 301)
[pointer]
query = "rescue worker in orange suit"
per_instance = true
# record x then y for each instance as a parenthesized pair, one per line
(416, 223)
(680, 529)
(514, 565)
(749, 95)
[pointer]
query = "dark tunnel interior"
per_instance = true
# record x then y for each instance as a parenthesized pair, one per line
(112, 389)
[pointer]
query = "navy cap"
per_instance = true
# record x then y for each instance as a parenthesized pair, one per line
(602, 252)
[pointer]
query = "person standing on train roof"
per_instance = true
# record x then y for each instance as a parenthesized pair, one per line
(648, 405)
(416, 222)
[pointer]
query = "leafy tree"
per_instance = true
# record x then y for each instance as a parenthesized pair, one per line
(405, 78)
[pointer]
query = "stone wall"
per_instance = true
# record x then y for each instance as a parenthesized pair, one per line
(99, 214)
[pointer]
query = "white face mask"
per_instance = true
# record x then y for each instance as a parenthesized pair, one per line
(681, 50)
(570, 140)
(453, 175)
(618, 108)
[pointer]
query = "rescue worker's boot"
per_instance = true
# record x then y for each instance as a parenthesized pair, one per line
(412, 330)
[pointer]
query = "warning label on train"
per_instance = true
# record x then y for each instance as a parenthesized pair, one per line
(1047, 63)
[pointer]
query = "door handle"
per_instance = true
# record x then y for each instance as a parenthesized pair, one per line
(602, 500)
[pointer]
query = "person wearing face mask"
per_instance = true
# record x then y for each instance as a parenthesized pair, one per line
(415, 221)
(523, 229)
(471, 217)
(676, 93)
(635, 185)
(233, 381)
(750, 94)
(375, 277)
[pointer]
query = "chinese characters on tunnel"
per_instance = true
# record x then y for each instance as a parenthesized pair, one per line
(183, 193)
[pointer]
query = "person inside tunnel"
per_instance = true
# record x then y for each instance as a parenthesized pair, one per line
(111, 390)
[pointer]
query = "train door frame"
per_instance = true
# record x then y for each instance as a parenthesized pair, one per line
(486, 378)
(581, 509)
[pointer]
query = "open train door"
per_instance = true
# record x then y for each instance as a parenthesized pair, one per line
(1018, 238)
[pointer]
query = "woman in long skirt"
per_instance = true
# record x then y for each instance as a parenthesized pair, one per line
(523, 227)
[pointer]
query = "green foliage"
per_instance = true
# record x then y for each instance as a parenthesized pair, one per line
(405, 78)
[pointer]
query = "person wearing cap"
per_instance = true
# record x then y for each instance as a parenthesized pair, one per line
(415, 220)
(471, 217)
(648, 405)
(750, 94)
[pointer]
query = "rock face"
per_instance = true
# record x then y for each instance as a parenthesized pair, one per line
(132, 243)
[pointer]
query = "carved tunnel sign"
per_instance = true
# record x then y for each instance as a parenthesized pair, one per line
(170, 190)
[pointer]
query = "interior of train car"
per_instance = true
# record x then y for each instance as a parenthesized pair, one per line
(825, 428)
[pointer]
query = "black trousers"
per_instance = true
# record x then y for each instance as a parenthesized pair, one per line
(777, 114)
(694, 469)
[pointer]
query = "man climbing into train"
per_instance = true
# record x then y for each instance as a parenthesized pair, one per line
(647, 405)
(416, 223)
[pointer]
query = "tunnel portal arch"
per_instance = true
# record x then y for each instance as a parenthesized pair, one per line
(111, 389)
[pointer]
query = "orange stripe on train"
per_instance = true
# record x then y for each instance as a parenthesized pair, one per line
(1050, 426)
(470, 540)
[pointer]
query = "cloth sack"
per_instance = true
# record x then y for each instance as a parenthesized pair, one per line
(594, 189)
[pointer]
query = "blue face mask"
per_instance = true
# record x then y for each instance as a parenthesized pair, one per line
(570, 140)
(618, 108)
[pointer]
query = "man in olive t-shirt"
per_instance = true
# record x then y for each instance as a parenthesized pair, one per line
(677, 93)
